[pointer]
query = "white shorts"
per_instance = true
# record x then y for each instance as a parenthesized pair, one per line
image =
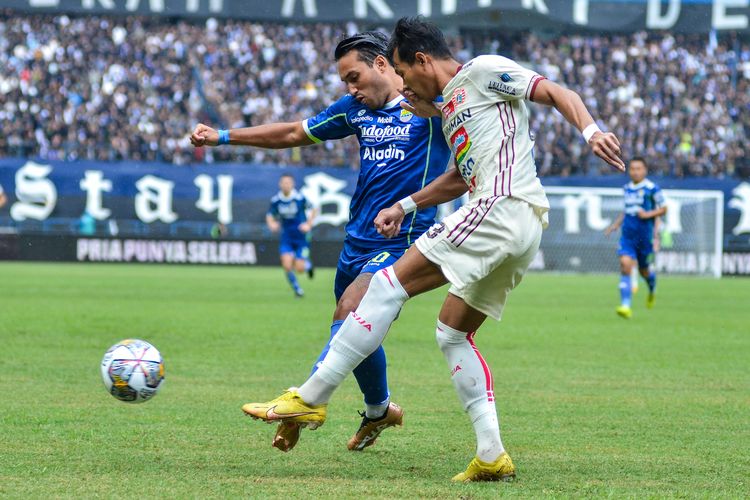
(484, 249)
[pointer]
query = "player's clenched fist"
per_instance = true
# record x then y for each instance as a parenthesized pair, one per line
(203, 135)
(388, 221)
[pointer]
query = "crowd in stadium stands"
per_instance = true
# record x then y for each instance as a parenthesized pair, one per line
(109, 88)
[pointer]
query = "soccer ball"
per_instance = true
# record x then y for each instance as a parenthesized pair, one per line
(133, 371)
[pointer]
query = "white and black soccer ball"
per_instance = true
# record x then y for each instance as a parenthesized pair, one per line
(133, 370)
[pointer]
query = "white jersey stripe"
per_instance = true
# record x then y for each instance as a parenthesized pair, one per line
(509, 106)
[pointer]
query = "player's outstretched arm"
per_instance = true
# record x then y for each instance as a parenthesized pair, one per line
(615, 225)
(270, 136)
(448, 186)
(605, 145)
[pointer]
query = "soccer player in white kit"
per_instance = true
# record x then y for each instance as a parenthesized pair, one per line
(482, 250)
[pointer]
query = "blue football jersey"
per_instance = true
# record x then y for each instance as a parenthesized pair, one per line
(400, 153)
(642, 196)
(290, 212)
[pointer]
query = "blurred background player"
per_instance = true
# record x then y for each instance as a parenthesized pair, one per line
(292, 215)
(644, 204)
(400, 153)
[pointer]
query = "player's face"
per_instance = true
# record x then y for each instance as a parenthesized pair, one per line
(419, 77)
(367, 84)
(286, 184)
(637, 171)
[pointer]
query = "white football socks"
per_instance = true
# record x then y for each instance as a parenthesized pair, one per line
(473, 382)
(362, 332)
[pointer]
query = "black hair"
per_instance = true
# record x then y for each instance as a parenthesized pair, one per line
(414, 34)
(368, 44)
(640, 159)
(286, 174)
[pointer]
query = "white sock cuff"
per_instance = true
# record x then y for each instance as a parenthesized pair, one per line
(387, 278)
(445, 333)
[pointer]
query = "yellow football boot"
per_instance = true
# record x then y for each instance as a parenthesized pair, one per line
(650, 300)
(624, 312)
(501, 469)
(287, 435)
(289, 407)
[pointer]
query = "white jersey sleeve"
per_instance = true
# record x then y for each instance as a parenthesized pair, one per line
(502, 79)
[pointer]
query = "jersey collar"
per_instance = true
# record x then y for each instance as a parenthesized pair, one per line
(393, 102)
(292, 195)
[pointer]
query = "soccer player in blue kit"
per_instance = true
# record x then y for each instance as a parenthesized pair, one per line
(644, 203)
(400, 153)
(291, 214)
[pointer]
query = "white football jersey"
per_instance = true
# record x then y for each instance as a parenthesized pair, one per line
(486, 123)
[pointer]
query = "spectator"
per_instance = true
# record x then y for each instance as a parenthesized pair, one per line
(130, 88)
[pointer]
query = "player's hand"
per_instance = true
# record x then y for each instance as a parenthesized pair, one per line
(203, 135)
(388, 221)
(656, 243)
(607, 147)
(305, 227)
(417, 105)
(642, 214)
(274, 226)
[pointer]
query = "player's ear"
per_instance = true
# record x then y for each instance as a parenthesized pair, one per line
(380, 63)
(420, 59)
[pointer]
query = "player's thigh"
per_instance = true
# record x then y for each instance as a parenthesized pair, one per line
(417, 274)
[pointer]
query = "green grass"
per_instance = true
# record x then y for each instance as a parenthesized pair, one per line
(591, 405)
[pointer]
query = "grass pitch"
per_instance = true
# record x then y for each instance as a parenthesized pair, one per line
(590, 404)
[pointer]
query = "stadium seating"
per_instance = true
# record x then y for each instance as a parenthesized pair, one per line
(138, 85)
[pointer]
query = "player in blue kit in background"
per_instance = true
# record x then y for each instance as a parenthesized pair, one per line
(291, 214)
(644, 203)
(400, 153)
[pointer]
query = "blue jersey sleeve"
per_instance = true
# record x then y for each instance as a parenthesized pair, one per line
(658, 197)
(273, 209)
(332, 123)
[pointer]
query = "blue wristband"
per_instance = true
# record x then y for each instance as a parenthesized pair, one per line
(223, 137)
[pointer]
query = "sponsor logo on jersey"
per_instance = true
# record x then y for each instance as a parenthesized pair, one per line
(458, 120)
(405, 115)
(467, 169)
(388, 153)
(373, 133)
(385, 119)
(506, 78)
(461, 145)
(448, 109)
(361, 112)
(360, 118)
(501, 87)
(459, 96)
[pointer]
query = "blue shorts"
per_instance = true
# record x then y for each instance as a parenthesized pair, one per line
(641, 250)
(299, 247)
(354, 261)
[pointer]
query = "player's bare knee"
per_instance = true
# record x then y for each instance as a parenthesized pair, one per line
(347, 303)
